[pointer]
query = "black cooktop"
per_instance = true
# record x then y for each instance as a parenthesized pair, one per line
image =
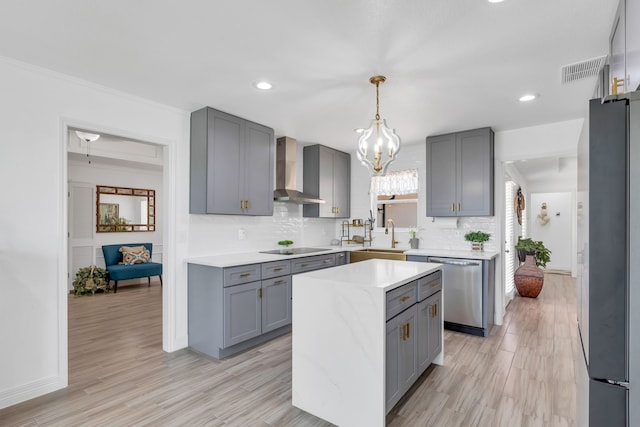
(294, 251)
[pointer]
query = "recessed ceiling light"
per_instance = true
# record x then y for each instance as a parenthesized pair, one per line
(528, 97)
(496, 1)
(263, 85)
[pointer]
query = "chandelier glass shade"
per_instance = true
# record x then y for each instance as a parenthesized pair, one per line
(378, 144)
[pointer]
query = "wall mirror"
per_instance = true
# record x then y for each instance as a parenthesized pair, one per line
(121, 209)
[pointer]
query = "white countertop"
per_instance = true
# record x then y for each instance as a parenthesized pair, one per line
(449, 253)
(231, 260)
(234, 259)
(379, 274)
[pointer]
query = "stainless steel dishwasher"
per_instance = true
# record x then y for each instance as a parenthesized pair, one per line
(464, 307)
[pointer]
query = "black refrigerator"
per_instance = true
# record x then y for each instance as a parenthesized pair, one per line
(608, 288)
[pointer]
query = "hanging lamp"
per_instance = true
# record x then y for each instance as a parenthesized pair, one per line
(378, 141)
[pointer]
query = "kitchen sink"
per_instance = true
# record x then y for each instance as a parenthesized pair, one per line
(370, 253)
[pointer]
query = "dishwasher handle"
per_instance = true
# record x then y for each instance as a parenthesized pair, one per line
(453, 262)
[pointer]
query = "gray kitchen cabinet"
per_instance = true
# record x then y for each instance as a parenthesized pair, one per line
(342, 258)
(327, 175)
(429, 325)
(310, 263)
(232, 165)
(460, 174)
(242, 313)
(401, 356)
(276, 303)
(231, 309)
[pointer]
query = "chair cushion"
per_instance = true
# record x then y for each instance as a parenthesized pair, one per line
(112, 254)
(123, 272)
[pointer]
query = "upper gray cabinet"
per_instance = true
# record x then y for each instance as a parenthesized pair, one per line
(232, 165)
(327, 175)
(460, 173)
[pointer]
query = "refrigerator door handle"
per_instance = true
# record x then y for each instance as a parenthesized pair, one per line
(624, 384)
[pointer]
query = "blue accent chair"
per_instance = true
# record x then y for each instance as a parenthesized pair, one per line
(118, 271)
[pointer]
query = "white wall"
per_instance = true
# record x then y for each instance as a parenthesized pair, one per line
(557, 233)
(35, 108)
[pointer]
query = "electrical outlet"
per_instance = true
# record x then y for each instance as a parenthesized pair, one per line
(242, 234)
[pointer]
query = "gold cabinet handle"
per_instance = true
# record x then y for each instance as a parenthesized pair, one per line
(408, 330)
(304, 265)
(245, 274)
(403, 334)
(433, 313)
(246, 204)
(453, 207)
(405, 298)
(277, 282)
(260, 293)
(241, 204)
(458, 206)
(434, 284)
(327, 261)
(277, 269)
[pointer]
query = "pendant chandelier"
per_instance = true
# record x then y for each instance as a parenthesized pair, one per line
(378, 140)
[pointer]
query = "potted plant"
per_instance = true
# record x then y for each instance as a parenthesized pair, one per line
(477, 239)
(541, 254)
(529, 277)
(284, 245)
(89, 280)
(414, 241)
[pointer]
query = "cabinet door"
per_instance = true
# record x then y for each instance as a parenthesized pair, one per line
(242, 313)
(325, 183)
(342, 184)
(475, 173)
(258, 155)
(441, 175)
(401, 356)
(425, 312)
(435, 325)
(225, 137)
(276, 303)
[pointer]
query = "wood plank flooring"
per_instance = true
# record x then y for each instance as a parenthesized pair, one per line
(523, 374)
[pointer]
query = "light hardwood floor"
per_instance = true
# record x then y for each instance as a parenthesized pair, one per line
(521, 375)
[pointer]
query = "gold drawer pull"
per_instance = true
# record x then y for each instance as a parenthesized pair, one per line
(277, 269)
(458, 206)
(434, 284)
(327, 261)
(277, 282)
(405, 298)
(245, 274)
(453, 207)
(304, 265)
(260, 293)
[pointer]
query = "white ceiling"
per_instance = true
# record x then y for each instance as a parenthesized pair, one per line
(451, 64)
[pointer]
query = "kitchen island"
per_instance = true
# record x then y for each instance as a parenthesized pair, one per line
(362, 334)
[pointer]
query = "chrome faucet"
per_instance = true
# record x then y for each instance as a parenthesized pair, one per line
(393, 232)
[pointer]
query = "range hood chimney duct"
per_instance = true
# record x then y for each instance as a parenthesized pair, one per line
(286, 174)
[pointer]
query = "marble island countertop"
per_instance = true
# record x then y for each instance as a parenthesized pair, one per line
(244, 258)
(374, 275)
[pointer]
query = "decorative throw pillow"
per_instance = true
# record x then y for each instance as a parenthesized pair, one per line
(130, 258)
(132, 249)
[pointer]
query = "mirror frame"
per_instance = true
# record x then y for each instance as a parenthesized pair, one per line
(126, 191)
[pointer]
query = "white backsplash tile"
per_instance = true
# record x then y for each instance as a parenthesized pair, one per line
(218, 234)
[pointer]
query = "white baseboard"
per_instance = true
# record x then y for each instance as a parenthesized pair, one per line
(29, 391)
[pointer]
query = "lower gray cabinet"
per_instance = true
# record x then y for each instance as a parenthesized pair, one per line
(242, 308)
(401, 356)
(276, 303)
(429, 325)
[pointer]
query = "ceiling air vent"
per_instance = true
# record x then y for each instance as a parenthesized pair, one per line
(582, 70)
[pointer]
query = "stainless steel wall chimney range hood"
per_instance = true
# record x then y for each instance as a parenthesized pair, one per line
(286, 174)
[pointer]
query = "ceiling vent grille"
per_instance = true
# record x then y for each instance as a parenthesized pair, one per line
(582, 70)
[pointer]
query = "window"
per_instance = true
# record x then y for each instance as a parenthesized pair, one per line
(395, 196)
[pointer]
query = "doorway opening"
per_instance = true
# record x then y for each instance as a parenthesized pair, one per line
(95, 322)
